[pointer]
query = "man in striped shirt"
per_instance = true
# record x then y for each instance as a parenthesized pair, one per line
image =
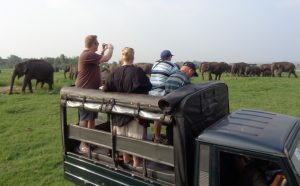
(181, 78)
(161, 70)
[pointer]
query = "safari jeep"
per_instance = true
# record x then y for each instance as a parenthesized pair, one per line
(207, 145)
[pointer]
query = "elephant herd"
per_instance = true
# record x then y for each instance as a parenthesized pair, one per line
(244, 69)
(42, 71)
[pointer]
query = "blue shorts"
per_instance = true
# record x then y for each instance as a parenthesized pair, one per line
(85, 115)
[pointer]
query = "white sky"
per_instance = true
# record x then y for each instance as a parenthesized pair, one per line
(253, 31)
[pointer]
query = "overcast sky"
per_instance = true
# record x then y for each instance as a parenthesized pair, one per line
(253, 31)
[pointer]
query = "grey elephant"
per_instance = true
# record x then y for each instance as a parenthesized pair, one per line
(203, 67)
(216, 68)
(39, 70)
(72, 69)
(252, 70)
(265, 70)
(39, 81)
(104, 73)
(238, 69)
(283, 66)
(66, 69)
(113, 66)
(147, 67)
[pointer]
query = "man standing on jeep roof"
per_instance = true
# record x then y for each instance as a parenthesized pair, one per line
(89, 77)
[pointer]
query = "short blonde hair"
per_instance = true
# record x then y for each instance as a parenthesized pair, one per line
(127, 54)
(90, 40)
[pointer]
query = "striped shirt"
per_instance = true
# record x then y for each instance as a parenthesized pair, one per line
(159, 74)
(175, 81)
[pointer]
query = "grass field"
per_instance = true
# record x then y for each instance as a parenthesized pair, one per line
(30, 152)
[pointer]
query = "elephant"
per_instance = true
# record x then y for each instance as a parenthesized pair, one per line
(147, 67)
(266, 73)
(72, 69)
(113, 66)
(252, 70)
(204, 67)
(283, 66)
(66, 69)
(265, 70)
(104, 73)
(39, 81)
(228, 70)
(238, 69)
(216, 68)
(40, 70)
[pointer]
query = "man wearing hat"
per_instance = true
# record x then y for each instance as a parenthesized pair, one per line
(181, 78)
(160, 72)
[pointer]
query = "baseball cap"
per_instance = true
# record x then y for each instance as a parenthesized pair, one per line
(192, 66)
(165, 54)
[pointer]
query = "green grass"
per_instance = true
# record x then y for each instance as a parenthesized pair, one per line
(31, 149)
(279, 95)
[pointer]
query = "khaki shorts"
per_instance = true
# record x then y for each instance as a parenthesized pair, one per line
(133, 130)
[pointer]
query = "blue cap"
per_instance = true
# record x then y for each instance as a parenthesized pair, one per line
(165, 54)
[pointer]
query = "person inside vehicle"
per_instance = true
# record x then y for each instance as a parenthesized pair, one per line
(129, 79)
(262, 173)
(89, 77)
(160, 71)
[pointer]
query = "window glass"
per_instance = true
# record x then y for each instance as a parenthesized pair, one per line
(240, 170)
(204, 165)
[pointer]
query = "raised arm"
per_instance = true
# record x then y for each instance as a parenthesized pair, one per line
(106, 53)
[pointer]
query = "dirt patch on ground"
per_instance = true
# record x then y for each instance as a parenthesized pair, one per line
(5, 90)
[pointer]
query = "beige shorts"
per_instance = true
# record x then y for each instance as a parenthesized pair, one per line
(133, 130)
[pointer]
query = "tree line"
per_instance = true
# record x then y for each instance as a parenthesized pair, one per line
(57, 62)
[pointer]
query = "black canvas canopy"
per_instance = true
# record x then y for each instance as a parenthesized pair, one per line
(194, 108)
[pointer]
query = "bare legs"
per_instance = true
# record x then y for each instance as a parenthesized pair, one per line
(136, 160)
(133, 130)
(87, 124)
